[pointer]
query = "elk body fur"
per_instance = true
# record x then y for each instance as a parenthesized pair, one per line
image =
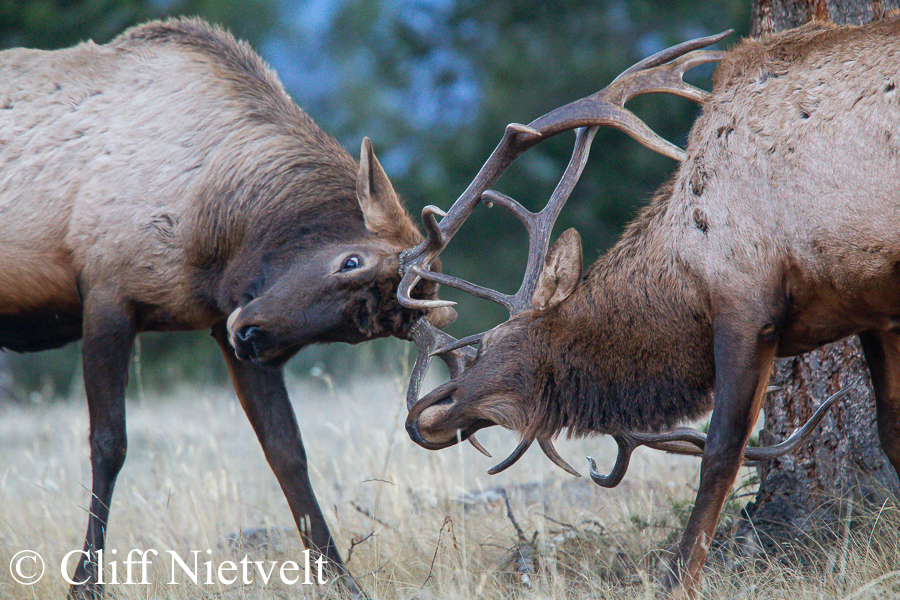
(166, 181)
(779, 233)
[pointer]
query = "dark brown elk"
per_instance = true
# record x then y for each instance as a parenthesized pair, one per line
(777, 234)
(167, 182)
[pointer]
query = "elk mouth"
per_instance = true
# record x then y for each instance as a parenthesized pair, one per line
(275, 357)
(455, 436)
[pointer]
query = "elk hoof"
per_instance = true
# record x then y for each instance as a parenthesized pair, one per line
(670, 579)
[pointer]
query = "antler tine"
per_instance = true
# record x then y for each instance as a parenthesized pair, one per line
(525, 216)
(542, 224)
(434, 235)
(516, 140)
(428, 338)
(664, 56)
(607, 107)
(466, 341)
(626, 447)
(666, 78)
(799, 436)
(549, 449)
(461, 284)
(510, 460)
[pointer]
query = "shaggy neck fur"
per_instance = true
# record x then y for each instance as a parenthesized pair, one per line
(631, 349)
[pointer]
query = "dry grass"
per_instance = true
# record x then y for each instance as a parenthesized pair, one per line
(421, 524)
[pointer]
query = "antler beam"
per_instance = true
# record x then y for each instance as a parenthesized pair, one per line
(670, 441)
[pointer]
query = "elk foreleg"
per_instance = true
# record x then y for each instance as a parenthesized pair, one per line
(743, 362)
(106, 347)
(264, 398)
(882, 352)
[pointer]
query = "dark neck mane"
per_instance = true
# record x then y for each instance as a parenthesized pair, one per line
(631, 349)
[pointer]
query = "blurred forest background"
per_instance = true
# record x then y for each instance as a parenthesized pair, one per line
(433, 83)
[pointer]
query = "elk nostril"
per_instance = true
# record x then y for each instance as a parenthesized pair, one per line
(247, 333)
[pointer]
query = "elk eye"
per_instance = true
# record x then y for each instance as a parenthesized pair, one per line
(352, 262)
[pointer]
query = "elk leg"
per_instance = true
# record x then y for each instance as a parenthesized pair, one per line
(265, 400)
(107, 340)
(743, 364)
(881, 350)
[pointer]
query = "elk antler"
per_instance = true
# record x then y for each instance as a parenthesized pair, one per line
(672, 441)
(457, 358)
(661, 72)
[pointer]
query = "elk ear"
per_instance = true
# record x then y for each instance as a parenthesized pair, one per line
(379, 203)
(561, 274)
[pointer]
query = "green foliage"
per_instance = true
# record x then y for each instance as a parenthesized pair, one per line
(52, 24)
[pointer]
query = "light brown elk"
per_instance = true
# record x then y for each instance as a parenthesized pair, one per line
(778, 233)
(166, 182)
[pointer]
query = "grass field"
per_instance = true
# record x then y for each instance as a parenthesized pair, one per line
(420, 524)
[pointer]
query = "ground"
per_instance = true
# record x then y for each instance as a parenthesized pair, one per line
(410, 523)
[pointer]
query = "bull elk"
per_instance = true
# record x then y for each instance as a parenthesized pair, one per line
(778, 233)
(167, 182)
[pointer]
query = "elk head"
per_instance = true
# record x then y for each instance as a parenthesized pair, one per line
(500, 386)
(340, 289)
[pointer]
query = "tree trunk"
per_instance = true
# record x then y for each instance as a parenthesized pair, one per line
(769, 16)
(804, 494)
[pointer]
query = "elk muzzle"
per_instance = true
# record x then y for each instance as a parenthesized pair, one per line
(250, 340)
(438, 421)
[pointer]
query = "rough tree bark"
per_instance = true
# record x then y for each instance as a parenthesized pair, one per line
(806, 493)
(769, 16)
